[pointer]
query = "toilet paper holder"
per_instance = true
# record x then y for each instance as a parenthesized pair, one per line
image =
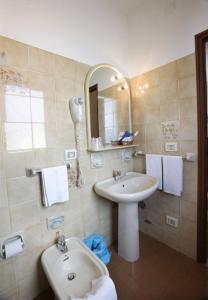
(10, 239)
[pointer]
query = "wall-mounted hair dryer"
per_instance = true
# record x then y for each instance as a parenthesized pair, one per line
(75, 106)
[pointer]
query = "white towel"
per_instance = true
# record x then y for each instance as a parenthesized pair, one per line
(154, 167)
(173, 175)
(54, 185)
(103, 288)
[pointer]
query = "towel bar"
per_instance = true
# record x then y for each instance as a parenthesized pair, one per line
(185, 158)
(33, 172)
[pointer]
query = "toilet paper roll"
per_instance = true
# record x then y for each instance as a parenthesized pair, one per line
(13, 248)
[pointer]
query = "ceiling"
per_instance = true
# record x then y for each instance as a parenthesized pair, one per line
(127, 7)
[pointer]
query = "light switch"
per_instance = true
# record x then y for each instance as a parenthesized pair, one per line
(70, 154)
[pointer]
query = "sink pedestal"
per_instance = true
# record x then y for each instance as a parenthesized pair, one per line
(128, 231)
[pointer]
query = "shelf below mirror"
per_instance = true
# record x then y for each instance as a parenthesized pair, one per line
(109, 148)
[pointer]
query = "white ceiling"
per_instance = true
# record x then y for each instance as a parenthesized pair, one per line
(127, 7)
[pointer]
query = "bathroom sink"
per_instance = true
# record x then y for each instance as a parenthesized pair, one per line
(71, 274)
(132, 187)
(127, 191)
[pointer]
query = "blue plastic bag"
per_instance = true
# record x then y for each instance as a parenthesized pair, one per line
(97, 243)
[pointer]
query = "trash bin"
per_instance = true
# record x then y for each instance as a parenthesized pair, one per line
(97, 243)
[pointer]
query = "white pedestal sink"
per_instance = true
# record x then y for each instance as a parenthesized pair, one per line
(127, 192)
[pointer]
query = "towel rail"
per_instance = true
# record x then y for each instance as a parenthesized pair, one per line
(33, 171)
(190, 158)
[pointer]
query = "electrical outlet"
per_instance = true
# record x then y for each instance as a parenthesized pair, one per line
(171, 221)
(171, 147)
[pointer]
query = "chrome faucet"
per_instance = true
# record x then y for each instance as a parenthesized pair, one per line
(116, 174)
(61, 244)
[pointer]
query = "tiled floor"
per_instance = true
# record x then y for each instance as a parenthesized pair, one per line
(160, 274)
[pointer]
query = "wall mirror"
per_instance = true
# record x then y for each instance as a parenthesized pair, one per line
(108, 105)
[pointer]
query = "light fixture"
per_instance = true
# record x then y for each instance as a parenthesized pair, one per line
(142, 88)
(122, 87)
(116, 77)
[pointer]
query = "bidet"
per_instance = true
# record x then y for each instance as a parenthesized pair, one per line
(70, 274)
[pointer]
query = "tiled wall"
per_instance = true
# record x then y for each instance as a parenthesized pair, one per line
(35, 129)
(167, 111)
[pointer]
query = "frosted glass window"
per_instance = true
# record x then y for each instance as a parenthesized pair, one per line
(109, 120)
(37, 110)
(36, 93)
(18, 136)
(39, 140)
(17, 108)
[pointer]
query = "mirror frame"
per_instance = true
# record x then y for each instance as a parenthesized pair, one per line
(87, 102)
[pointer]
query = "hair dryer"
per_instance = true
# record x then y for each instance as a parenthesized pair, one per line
(75, 106)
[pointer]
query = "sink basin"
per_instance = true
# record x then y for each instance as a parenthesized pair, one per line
(127, 192)
(71, 274)
(133, 187)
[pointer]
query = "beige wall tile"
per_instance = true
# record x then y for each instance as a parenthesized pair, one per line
(173, 94)
(81, 72)
(188, 108)
(23, 215)
(27, 264)
(21, 189)
(33, 237)
(3, 190)
(186, 66)
(14, 164)
(41, 85)
(187, 87)
(65, 87)
(189, 210)
(152, 97)
(188, 247)
(188, 229)
(29, 287)
(5, 227)
(9, 294)
(188, 130)
(138, 114)
(16, 53)
(170, 205)
(152, 115)
(155, 147)
(41, 61)
(168, 71)
(65, 67)
(7, 275)
(169, 112)
(171, 237)
(153, 132)
(151, 78)
(168, 90)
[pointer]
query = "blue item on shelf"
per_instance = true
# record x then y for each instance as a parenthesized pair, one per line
(97, 243)
(126, 134)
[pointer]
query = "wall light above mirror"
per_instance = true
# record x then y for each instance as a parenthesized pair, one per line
(108, 106)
